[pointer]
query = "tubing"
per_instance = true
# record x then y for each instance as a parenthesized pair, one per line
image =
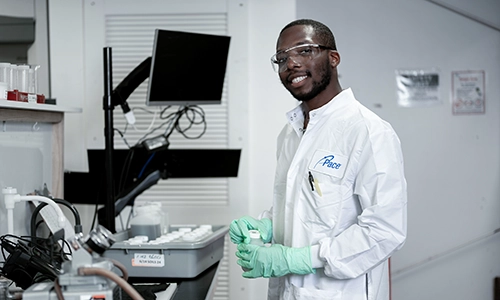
(117, 279)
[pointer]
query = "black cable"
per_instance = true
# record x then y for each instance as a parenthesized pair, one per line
(30, 252)
(173, 121)
(195, 111)
(122, 135)
(38, 224)
(96, 207)
(178, 116)
(125, 170)
(78, 224)
(152, 131)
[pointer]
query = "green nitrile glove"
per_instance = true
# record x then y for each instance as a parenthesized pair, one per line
(238, 230)
(274, 261)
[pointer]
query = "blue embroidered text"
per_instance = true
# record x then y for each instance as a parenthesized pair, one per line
(328, 162)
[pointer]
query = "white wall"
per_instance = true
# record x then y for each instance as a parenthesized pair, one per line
(269, 101)
(452, 161)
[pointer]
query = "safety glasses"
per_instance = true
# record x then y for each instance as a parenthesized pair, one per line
(299, 54)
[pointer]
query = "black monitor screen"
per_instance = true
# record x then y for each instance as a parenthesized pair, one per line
(187, 68)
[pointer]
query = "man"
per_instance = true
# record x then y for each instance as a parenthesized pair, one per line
(339, 208)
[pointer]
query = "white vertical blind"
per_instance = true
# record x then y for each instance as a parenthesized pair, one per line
(131, 38)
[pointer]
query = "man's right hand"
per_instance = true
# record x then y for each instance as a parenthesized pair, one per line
(238, 230)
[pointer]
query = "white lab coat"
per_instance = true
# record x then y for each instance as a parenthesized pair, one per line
(355, 218)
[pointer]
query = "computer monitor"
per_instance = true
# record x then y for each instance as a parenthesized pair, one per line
(187, 68)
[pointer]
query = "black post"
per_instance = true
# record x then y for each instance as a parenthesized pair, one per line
(108, 135)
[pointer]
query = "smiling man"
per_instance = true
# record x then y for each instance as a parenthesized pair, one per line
(339, 205)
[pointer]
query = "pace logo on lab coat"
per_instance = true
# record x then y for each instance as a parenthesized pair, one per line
(328, 163)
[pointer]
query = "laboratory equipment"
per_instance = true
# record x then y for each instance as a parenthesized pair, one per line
(184, 252)
(11, 197)
(88, 275)
(216, 48)
(22, 78)
(32, 259)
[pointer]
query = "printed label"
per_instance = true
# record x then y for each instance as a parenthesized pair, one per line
(148, 260)
(31, 98)
(328, 163)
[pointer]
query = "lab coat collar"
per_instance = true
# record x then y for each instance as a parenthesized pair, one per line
(295, 117)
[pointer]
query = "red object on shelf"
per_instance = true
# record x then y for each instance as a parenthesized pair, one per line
(16, 95)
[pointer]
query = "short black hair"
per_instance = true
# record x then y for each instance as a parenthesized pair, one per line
(321, 30)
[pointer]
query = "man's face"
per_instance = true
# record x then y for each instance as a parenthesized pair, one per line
(304, 79)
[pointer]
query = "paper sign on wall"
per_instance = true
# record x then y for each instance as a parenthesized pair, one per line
(467, 92)
(418, 87)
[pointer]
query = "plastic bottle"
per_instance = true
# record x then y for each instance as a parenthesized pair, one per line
(147, 221)
(255, 239)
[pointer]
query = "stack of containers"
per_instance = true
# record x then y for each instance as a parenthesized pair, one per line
(19, 82)
(5, 76)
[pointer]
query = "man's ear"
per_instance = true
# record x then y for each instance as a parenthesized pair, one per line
(334, 58)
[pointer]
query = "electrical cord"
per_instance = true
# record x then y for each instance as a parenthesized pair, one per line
(31, 259)
(97, 198)
(30, 245)
(172, 120)
(152, 121)
(117, 279)
(78, 224)
(146, 164)
(191, 113)
(122, 135)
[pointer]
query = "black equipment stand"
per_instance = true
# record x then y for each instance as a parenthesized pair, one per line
(108, 135)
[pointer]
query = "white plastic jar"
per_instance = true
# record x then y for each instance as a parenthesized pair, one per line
(147, 220)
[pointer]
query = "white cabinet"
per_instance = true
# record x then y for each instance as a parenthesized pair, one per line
(31, 138)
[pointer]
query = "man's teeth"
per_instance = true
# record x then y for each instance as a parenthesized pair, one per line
(299, 79)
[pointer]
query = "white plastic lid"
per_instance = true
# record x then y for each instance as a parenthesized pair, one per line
(254, 234)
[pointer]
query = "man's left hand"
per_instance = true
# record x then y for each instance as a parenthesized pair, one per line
(274, 261)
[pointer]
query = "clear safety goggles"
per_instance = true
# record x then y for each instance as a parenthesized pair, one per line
(299, 54)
